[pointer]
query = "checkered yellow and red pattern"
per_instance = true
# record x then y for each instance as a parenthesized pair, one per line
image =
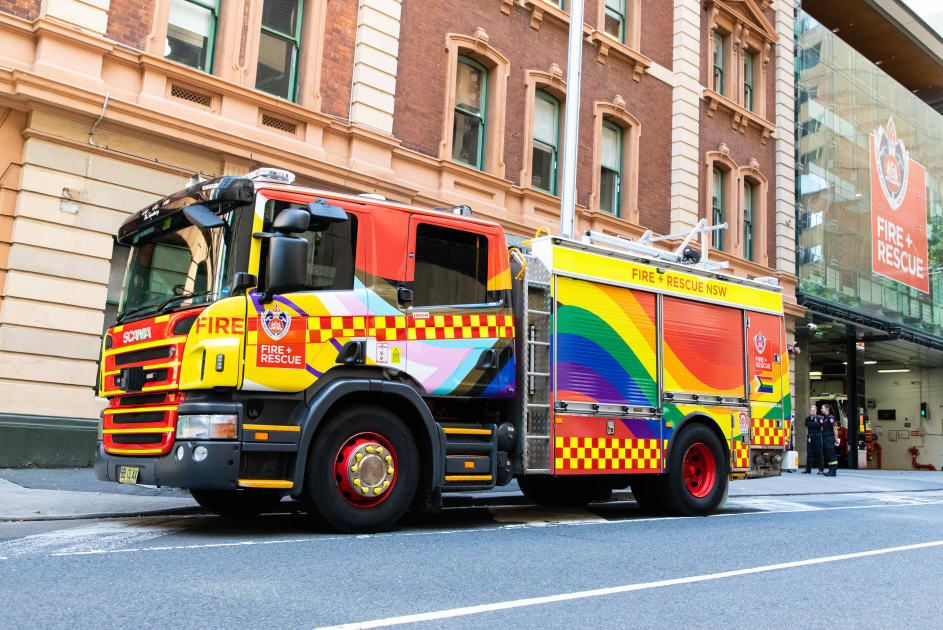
(402, 327)
(765, 433)
(741, 455)
(583, 453)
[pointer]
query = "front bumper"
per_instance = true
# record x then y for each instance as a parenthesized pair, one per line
(219, 471)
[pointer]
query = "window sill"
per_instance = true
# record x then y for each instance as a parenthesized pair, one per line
(602, 221)
(606, 45)
(742, 117)
(539, 9)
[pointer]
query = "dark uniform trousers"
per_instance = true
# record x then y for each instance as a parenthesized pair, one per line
(828, 444)
(814, 450)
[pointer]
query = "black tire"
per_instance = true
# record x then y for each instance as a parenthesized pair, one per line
(651, 494)
(706, 484)
(237, 503)
(565, 491)
(328, 496)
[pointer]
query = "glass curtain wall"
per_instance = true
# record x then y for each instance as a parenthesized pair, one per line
(842, 98)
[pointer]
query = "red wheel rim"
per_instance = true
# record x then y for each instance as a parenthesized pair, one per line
(366, 481)
(699, 470)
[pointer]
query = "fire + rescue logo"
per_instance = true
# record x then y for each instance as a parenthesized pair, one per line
(759, 342)
(276, 323)
(893, 164)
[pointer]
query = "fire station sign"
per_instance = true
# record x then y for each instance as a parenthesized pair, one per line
(898, 211)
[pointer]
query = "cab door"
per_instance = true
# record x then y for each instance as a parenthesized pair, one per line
(293, 339)
(460, 327)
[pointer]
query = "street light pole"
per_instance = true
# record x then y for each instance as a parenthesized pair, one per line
(571, 124)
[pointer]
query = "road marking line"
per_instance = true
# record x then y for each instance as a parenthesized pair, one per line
(613, 590)
(470, 530)
(540, 516)
(79, 540)
(773, 504)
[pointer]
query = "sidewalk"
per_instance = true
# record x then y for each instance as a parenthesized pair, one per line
(52, 494)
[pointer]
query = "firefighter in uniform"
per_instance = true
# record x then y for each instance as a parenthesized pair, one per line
(828, 440)
(813, 449)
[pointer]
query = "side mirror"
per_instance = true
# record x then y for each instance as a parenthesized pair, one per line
(202, 217)
(291, 221)
(287, 263)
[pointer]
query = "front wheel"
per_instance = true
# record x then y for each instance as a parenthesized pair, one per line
(697, 472)
(362, 471)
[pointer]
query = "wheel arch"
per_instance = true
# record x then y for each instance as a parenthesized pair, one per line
(698, 417)
(400, 399)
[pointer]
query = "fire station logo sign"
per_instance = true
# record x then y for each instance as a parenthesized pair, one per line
(893, 164)
(898, 211)
(759, 341)
(283, 344)
(276, 323)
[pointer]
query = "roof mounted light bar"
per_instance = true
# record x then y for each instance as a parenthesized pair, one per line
(271, 175)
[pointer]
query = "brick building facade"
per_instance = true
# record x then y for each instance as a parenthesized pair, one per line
(106, 105)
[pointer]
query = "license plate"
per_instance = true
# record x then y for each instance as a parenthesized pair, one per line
(128, 474)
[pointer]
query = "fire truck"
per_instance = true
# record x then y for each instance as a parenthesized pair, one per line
(364, 356)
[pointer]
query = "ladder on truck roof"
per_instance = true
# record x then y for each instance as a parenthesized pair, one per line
(682, 254)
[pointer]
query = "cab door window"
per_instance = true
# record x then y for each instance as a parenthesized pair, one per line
(451, 267)
(331, 252)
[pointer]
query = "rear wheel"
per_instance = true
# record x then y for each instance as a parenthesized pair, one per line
(249, 502)
(697, 472)
(362, 471)
(565, 491)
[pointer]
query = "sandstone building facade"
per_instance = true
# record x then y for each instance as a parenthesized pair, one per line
(686, 112)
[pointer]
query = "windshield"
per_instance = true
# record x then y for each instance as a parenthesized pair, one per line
(176, 263)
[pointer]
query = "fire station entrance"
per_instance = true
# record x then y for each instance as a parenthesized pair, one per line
(887, 387)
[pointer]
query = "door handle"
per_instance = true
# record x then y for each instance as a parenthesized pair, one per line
(488, 360)
(353, 353)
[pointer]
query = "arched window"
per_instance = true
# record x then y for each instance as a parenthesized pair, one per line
(610, 169)
(615, 161)
(475, 103)
(718, 194)
(753, 214)
(546, 142)
(748, 220)
(471, 112)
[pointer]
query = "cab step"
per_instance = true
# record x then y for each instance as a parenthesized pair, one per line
(470, 457)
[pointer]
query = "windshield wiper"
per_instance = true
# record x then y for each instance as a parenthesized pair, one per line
(123, 316)
(180, 298)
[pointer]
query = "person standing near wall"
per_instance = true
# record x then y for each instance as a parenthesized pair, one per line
(813, 449)
(829, 441)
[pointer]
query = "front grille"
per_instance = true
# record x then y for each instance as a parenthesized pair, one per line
(184, 325)
(137, 418)
(146, 399)
(148, 354)
(154, 376)
(137, 438)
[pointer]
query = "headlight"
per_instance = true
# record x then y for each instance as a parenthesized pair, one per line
(206, 427)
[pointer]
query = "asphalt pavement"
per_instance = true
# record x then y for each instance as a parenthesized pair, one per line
(67, 493)
(866, 544)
